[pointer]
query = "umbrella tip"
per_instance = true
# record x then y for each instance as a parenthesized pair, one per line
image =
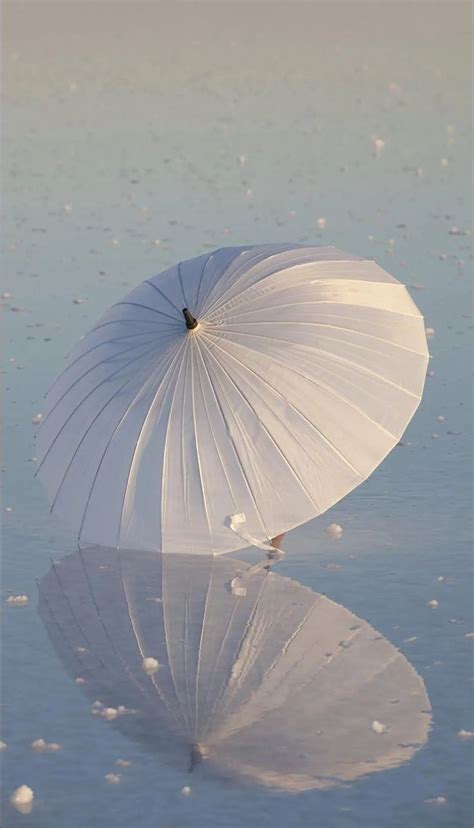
(191, 322)
(198, 753)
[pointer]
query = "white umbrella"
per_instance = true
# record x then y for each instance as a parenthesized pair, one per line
(231, 398)
(206, 658)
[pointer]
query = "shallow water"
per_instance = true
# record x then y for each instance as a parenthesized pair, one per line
(125, 126)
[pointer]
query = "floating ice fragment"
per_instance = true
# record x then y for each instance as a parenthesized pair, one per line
(436, 800)
(112, 778)
(469, 635)
(18, 600)
(237, 587)
(334, 531)
(433, 604)
(3, 745)
(22, 799)
(378, 145)
(45, 747)
(440, 418)
(37, 419)
(378, 727)
(80, 680)
(123, 763)
(150, 665)
(109, 713)
(242, 160)
(429, 332)
(6, 295)
(186, 791)
(9, 508)
(464, 735)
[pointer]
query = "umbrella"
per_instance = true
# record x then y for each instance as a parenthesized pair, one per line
(232, 670)
(232, 398)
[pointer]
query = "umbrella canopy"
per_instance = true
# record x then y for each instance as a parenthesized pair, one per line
(248, 674)
(231, 398)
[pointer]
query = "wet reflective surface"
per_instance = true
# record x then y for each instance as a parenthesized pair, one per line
(100, 200)
(234, 669)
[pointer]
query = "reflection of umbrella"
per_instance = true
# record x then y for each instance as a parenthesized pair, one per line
(203, 658)
(291, 376)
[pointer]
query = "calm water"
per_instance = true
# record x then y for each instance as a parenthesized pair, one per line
(124, 130)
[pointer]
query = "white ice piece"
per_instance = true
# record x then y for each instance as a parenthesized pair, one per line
(22, 799)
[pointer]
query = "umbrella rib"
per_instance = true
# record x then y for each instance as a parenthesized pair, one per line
(146, 307)
(211, 428)
(97, 608)
(224, 639)
(333, 327)
(124, 415)
(203, 269)
(184, 475)
(201, 638)
(165, 449)
(320, 302)
(336, 357)
(107, 379)
(324, 387)
(198, 455)
(244, 474)
(180, 274)
(125, 321)
(92, 368)
(84, 636)
(74, 657)
(267, 432)
(250, 620)
(94, 347)
(276, 272)
(321, 434)
(185, 647)
(288, 643)
(143, 426)
(163, 295)
(255, 656)
(250, 264)
(168, 650)
(140, 649)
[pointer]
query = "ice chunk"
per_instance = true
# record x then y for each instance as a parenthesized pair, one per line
(378, 727)
(22, 799)
(150, 665)
(334, 531)
(18, 600)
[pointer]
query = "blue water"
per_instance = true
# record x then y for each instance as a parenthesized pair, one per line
(133, 116)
